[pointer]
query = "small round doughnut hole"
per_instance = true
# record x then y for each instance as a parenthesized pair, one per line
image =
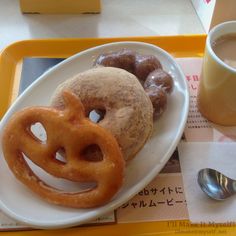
(160, 78)
(107, 60)
(124, 59)
(144, 65)
(158, 98)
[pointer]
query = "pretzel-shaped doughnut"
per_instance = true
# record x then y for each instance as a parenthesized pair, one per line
(71, 130)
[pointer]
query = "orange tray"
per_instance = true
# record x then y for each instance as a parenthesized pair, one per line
(12, 57)
(11, 60)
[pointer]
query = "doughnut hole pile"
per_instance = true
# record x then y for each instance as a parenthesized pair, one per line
(156, 82)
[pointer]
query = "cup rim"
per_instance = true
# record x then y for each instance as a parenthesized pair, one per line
(209, 46)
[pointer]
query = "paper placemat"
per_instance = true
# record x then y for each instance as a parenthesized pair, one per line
(194, 157)
(164, 197)
(206, 145)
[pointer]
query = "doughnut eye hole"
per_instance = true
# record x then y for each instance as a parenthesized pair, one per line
(92, 153)
(61, 156)
(96, 115)
(38, 132)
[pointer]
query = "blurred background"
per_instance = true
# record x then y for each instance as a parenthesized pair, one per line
(116, 18)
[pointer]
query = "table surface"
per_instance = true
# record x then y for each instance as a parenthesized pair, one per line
(118, 18)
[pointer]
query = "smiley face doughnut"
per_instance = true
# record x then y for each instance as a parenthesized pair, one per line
(68, 129)
(128, 111)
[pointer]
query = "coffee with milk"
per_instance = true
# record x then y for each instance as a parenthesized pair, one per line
(225, 48)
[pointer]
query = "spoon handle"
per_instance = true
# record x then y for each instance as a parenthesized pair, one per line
(234, 186)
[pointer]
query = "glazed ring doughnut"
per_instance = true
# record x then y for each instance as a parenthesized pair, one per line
(138, 64)
(128, 109)
(147, 69)
(72, 131)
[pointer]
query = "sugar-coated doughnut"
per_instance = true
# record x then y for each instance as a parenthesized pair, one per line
(128, 109)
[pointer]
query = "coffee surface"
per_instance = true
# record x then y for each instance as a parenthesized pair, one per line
(225, 48)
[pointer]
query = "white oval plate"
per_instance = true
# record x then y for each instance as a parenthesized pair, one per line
(20, 203)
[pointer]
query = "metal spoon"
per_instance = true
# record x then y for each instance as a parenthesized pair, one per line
(215, 184)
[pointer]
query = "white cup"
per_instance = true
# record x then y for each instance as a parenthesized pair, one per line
(217, 89)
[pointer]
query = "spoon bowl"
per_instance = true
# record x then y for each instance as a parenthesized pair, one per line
(215, 184)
